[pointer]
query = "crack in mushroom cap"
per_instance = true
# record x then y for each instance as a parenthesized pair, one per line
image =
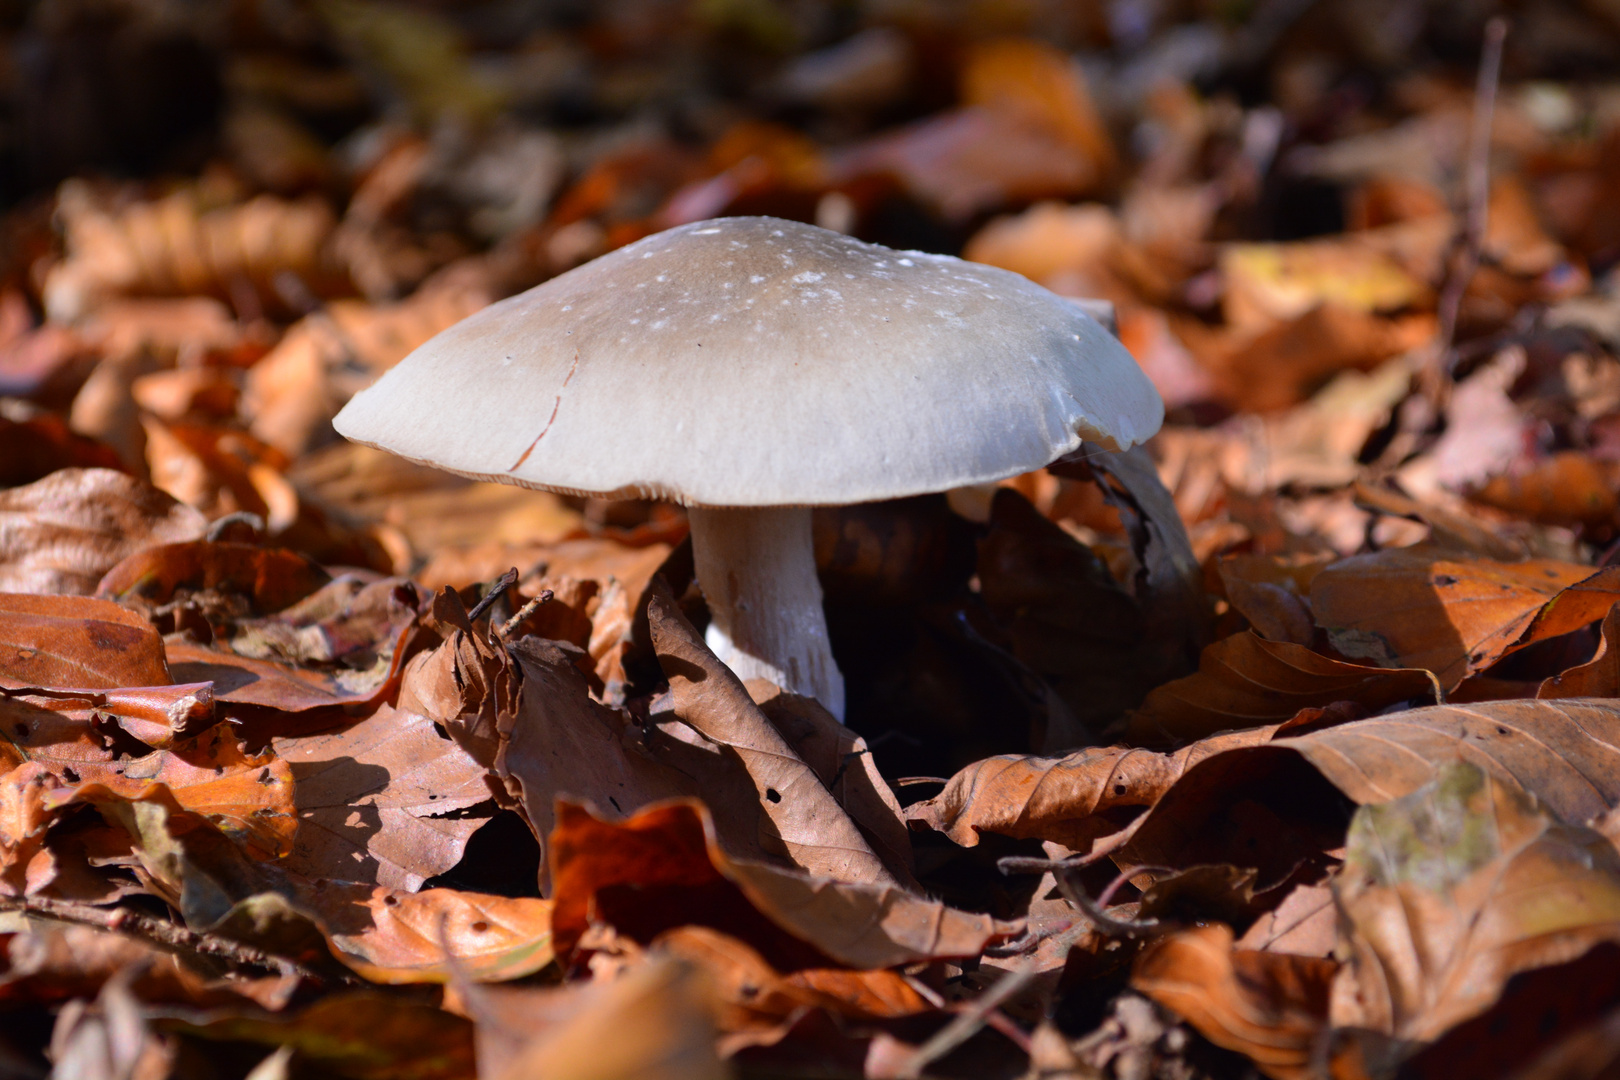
(761, 362)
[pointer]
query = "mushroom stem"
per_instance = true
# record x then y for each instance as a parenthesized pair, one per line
(757, 567)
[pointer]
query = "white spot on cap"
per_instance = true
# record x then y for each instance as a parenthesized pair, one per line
(807, 278)
(704, 232)
(907, 262)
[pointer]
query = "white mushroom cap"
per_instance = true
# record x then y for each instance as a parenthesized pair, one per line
(760, 362)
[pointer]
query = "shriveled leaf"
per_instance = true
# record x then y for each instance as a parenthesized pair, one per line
(812, 828)
(1072, 800)
(1245, 680)
(1565, 753)
(1452, 889)
(265, 684)
(396, 937)
(1268, 1006)
(248, 797)
(563, 743)
(270, 579)
(74, 641)
(1553, 1022)
(362, 1034)
(843, 762)
(379, 800)
(1169, 586)
(1598, 677)
(50, 961)
(655, 1020)
(156, 715)
(62, 533)
(1421, 607)
(1272, 593)
(664, 868)
(758, 1004)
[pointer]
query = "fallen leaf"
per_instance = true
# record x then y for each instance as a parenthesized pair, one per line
(34, 444)
(758, 1004)
(248, 797)
(1268, 1006)
(657, 1019)
(361, 1034)
(63, 533)
(75, 641)
(51, 961)
(382, 800)
(1305, 924)
(664, 868)
(1455, 887)
(1548, 1022)
(1267, 283)
(843, 762)
(1071, 801)
(1424, 607)
(1565, 488)
(265, 685)
(1245, 681)
(396, 937)
(1566, 754)
(1598, 677)
(270, 579)
(812, 828)
(1065, 616)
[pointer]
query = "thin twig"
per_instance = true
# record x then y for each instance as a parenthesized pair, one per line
(525, 611)
(967, 1023)
(502, 583)
(1436, 374)
(159, 932)
(1128, 928)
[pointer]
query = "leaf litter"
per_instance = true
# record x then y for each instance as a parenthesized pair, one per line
(1288, 742)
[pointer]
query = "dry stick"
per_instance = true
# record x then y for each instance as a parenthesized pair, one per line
(502, 583)
(161, 933)
(967, 1023)
(1435, 379)
(525, 611)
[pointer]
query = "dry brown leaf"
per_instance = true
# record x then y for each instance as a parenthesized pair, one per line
(1305, 924)
(1065, 800)
(1245, 681)
(269, 579)
(174, 247)
(1565, 753)
(248, 797)
(75, 641)
(1272, 592)
(1027, 130)
(1286, 362)
(657, 1019)
(664, 868)
(1268, 1006)
(62, 533)
(812, 829)
(844, 764)
(1424, 607)
(759, 1004)
(1598, 677)
(1452, 889)
(263, 684)
(50, 961)
(398, 937)
(34, 444)
(382, 800)
(1566, 488)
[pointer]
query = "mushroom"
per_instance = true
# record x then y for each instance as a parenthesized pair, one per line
(752, 368)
